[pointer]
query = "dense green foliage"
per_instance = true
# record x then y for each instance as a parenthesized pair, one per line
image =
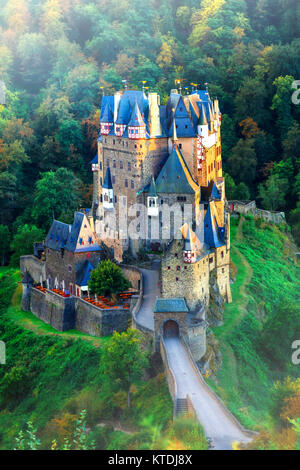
(55, 55)
(260, 325)
(123, 360)
(107, 279)
(50, 378)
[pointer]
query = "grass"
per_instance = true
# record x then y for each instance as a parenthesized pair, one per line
(268, 277)
(51, 376)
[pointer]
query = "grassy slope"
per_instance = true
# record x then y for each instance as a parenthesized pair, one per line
(56, 375)
(267, 276)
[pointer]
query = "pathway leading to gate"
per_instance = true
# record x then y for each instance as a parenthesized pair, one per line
(215, 419)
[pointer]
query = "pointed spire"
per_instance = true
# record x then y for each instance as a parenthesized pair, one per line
(107, 181)
(136, 119)
(203, 119)
(187, 243)
(174, 136)
(152, 189)
(107, 115)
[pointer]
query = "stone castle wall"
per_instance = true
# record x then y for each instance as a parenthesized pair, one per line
(179, 279)
(53, 309)
(34, 266)
(74, 313)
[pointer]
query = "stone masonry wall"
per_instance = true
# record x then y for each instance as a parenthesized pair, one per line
(34, 266)
(96, 322)
(179, 279)
(72, 312)
(161, 318)
(53, 309)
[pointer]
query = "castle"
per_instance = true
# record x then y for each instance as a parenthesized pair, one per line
(158, 186)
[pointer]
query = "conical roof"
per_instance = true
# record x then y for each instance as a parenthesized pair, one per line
(107, 180)
(203, 118)
(187, 243)
(136, 119)
(107, 115)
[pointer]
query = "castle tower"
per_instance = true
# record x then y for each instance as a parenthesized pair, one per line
(154, 116)
(107, 120)
(107, 192)
(136, 125)
(96, 188)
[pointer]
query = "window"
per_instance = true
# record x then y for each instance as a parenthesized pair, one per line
(100, 165)
(169, 267)
(115, 198)
(211, 260)
(121, 165)
(132, 184)
(114, 142)
(177, 279)
(70, 268)
(114, 164)
(126, 183)
(222, 254)
(129, 166)
(223, 270)
(178, 268)
(113, 179)
(101, 181)
(107, 162)
(180, 146)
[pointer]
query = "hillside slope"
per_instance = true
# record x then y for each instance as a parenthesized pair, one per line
(261, 323)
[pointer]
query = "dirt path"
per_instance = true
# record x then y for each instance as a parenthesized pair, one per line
(241, 304)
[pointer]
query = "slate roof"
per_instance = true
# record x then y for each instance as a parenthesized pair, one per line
(83, 273)
(107, 115)
(75, 231)
(175, 176)
(211, 230)
(95, 160)
(107, 180)
(152, 189)
(58, 235)
(127, 104)
(170, 305)
(187, 243)
(136, 119)
(66, 236)
(215, 194)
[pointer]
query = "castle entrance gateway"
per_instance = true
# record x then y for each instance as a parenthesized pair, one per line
(171, 329)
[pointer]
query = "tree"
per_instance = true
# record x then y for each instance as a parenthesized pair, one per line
(123, 360)
(23, 241)
(272, 194)
(107, 279)
(56, 193)
(242, 162)
(4, 245)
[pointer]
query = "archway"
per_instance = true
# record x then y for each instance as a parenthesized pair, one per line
(171, 329)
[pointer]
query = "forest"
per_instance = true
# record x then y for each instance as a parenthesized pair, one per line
(57, 57)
